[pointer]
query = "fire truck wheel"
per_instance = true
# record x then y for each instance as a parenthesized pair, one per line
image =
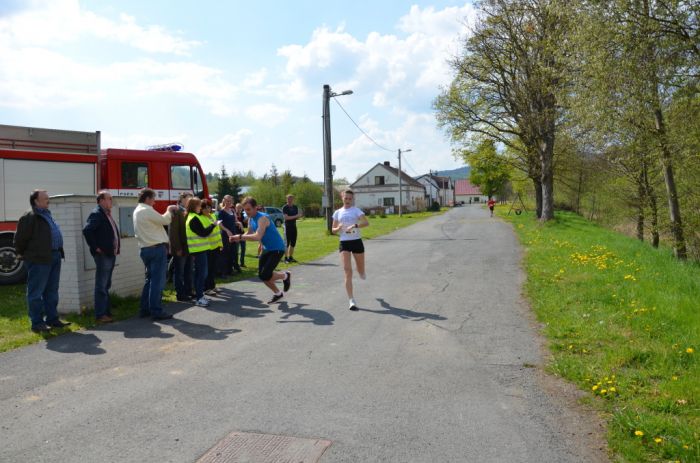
(12, 269)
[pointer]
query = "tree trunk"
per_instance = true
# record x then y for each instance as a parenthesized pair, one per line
(640, 205)
(538, 197)
(674, 208)
(650, 195)
(547, 163)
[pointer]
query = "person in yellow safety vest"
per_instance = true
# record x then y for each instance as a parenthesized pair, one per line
(215, 246)
(198, 228)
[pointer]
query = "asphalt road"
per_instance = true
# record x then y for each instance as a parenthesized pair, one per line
(441, 364)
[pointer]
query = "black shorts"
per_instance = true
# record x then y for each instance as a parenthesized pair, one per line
(290, 234)
(267, 263)
(491, 207)
(353, 246)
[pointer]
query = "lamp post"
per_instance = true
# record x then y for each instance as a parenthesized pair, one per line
(327, 162)
(400, 181)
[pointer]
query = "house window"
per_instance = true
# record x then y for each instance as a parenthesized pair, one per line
(379, 180)
(388, 201)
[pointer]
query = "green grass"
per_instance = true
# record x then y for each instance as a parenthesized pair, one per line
(623, 322)
(312, 244)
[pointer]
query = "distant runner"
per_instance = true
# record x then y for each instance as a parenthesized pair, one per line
(291, 214)
(491, 203)
(347, 222)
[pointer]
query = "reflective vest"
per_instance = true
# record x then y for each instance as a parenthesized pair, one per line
(196, 243)
(215, 240)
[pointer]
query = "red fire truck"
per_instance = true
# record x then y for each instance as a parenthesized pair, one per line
(69, 162)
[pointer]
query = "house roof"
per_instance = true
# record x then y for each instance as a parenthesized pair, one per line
(405, 178)
(464, 187)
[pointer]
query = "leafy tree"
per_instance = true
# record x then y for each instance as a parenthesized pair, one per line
(489, 170)
(507, 83)
(224, 186)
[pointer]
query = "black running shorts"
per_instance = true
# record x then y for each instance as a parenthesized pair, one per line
(290, 233)
(267, 263)
(353, 246)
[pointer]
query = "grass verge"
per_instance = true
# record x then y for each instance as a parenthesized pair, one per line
(313, 243)
(623, 322)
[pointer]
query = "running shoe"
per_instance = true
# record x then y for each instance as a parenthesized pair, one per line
(352, 305)
(363, 276)
(292, 259)
(287, 282)
(210, 292)
(202, 302)
(275, 298)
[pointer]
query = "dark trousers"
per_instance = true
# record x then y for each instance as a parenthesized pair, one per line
(182, 275)
(229, 258)
(42, 289)
(104, 266)
(242, 253)
(212, 258)
(199, 260)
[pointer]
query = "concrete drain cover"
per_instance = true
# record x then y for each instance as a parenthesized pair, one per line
(244, 447)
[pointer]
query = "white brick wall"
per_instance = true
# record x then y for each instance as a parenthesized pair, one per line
(78, 271)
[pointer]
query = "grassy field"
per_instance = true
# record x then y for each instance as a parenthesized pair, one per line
(313, 243)
(623, 323)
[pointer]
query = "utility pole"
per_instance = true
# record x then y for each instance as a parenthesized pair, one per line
(327, 161)
(401, 182)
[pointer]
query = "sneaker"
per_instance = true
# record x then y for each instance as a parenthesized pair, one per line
(203, 302)
(210, 292)
(162, 316)
(292, 259)
(363, 276)
(286, 260)
(287, 282)
(275, 298)
(104, 319)
(352, 305)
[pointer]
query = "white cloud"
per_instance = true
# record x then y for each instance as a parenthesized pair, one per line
(57, 22)
(391, 68)
(268, 114)
(227, 150)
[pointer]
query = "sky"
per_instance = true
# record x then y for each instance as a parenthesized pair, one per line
(238, 83)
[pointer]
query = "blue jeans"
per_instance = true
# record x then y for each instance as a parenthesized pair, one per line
(200, 272)
(182, 275)
(155, 258)
(42, 289)
(104, 266)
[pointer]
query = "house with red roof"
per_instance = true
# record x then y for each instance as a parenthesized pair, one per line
(466, 193)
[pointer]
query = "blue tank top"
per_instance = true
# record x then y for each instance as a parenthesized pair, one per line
(271, 240)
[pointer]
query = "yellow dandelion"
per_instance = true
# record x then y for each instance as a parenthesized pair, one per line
(638, 433)
(604, 391)
(594, 388)
(658, 440)
(674, 378)
(685, 446)
(689, 350)
(612, 389)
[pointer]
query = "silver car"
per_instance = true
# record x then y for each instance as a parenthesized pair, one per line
(276, 215)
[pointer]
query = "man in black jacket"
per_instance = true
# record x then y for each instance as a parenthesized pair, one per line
(38, 240)
(102, 236)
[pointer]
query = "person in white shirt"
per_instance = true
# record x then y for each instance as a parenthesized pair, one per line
(153, 241)
(347, 222)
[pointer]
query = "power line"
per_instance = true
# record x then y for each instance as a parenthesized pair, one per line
(405, 159)
(360, 129)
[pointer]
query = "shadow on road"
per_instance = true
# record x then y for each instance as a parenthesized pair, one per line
(75, 343)
(406, 314)
(239, 303)
(200, 331)
(136, 328)
(315, 316)
(318, 264)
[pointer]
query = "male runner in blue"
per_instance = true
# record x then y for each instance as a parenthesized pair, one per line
(260, 229)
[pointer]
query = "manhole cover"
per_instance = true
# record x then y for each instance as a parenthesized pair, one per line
(244, 447)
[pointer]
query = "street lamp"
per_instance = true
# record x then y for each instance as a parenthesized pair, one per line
(327, 164)
(400, 182)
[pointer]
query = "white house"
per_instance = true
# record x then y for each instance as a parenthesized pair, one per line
(440, 189)
(379, 188)
(467, 193)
